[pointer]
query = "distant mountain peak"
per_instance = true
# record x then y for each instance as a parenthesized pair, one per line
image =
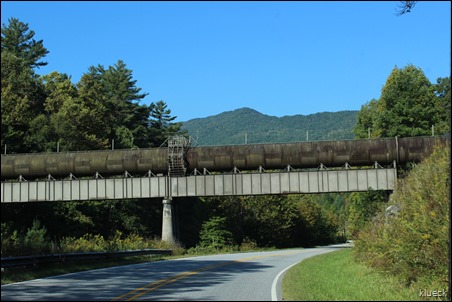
(243, 110)
(247, 125)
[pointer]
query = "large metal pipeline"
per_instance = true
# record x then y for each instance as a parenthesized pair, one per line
(221, 158)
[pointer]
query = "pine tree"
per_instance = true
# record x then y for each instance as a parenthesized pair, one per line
(18, 40)
(161, 123)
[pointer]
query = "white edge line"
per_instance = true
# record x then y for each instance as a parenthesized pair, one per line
(275, 281)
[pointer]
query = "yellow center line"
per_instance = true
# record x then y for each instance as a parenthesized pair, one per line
(134, 294)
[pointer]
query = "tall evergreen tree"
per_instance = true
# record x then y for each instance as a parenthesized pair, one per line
(162, 125)
(124, 96)
(17, 39)
(127, 119)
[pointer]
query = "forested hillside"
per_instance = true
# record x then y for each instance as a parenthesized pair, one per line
(250, 126)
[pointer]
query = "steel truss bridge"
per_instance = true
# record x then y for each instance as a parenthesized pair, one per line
(235, 183)
(310, 167)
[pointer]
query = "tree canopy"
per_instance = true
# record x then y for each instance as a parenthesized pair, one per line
(409, 105)
(18, 40)
(102, 110)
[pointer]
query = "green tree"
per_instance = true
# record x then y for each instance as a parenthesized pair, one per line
(127, 120)
(42, 135)
(58, 90)
(125, 137)
(22, 100)
(122, 101)
(362, 207)
(214, 234)
(408, 105)
(121, 88)
(233, 207)
(22, 93)
(35, 239)
(318, 226)
(17, 39)
(442, 90)
(270, 220)
(80, 121)
(365, 121)
(162, 125)
(334, 206)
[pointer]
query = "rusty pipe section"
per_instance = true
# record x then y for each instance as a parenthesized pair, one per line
(222, 158)
(312, 154)
(62, 164)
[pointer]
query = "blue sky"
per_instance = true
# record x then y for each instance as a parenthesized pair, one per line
(277, 57)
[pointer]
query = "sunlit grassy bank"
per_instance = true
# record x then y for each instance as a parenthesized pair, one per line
(335, 276)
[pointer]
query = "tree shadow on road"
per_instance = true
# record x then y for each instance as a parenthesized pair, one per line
(162, 280)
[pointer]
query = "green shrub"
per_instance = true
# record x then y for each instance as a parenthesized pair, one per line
(35, 241)
(214, 234)
(87, 243)
(11, 241)
(414, 243)
(248, 245)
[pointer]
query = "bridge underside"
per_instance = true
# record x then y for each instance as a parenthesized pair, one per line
(231, 184)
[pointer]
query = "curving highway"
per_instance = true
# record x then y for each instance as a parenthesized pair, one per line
(254, 276)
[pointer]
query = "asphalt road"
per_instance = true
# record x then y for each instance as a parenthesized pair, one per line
(254, 276)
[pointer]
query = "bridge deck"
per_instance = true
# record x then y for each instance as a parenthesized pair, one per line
(233, 184)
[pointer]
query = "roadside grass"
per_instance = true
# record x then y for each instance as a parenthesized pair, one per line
(335, 276)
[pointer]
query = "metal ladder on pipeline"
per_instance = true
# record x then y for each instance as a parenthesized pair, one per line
(176, 163)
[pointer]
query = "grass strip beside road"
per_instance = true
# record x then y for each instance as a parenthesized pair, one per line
(336, 276)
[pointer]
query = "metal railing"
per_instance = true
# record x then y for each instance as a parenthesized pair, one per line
(55, 258)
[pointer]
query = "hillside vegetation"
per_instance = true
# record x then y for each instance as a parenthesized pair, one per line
(409, 236)
(250, 126)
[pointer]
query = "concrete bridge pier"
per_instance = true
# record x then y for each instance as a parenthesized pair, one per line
(167, 221)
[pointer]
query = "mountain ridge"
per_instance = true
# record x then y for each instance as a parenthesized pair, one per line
(247, 125)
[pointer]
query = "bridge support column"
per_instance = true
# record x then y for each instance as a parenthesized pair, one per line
(167, 221)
